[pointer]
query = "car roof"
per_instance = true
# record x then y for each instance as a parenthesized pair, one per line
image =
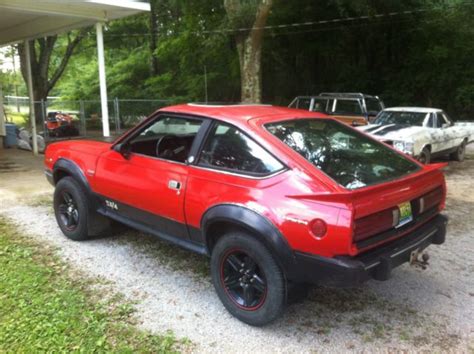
(241, 113)
(341, 95)
(414, 109)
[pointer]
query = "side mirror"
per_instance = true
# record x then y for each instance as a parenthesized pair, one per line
(372, 113)
(445, 125)
(123, 149)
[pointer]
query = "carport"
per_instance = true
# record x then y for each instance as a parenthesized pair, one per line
(25, 20)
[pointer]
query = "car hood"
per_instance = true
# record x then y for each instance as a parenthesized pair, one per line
(85, 146)
(393, 131)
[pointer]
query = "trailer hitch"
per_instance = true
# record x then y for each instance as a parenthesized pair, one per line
(419, 259)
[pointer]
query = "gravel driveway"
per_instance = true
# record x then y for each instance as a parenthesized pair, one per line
(416, 310)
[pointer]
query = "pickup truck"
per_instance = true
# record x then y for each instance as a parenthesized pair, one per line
(277, 198)
(423, 133)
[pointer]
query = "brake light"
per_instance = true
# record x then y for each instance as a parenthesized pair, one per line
(373, 224)
(430, 200)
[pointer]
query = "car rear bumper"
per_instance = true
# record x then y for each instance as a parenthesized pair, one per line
(374, 264)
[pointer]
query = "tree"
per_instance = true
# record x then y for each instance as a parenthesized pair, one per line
(153, 35)
(42, 53)
(250, 14)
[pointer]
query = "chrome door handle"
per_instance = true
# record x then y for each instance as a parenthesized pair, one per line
(172, 184)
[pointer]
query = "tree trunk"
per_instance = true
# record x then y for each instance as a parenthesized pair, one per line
(41, 52)
(249, 46)
(153, 38)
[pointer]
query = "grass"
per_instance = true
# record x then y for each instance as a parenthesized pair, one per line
(45, 307)
(43, 200)
(20, 119)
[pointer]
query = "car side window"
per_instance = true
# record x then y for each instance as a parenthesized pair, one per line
(168, 138)
(431, 121)
(227, 148)
(304, 103)
(373, 105)
(320, 105)
(347, 107)
(439, 120)
(447, 120)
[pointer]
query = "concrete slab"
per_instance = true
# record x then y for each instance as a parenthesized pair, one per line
(21, 176)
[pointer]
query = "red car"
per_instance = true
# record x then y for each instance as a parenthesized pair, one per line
(277, 197)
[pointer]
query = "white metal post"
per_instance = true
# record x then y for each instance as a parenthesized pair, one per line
(29, 81)
(103, 84)
(3, 132)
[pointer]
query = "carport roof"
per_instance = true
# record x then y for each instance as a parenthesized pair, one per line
(29, 19)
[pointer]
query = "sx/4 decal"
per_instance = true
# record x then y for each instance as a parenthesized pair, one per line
(111, 205)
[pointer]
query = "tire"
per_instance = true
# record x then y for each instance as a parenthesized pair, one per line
(247, 279)
(425, 156)
(71, 209)
(460, 152)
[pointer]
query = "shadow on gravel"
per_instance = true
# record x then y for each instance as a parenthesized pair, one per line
(326, 313)
(169, 255)
(331, 313)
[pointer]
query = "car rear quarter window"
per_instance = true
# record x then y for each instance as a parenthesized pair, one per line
(350, 158)
(228, 148)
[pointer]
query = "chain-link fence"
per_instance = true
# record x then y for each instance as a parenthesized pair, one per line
(59, 119)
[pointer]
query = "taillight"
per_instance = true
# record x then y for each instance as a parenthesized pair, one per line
(318, 228)
(430, 200)
(375, 223)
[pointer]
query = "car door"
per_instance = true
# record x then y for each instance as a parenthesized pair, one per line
(148, 184)
(438, 139)
(230, 168)
(452, 134)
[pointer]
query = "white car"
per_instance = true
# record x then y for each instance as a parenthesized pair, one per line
(423, 133)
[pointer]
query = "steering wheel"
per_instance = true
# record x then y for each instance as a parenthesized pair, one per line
(161, 146)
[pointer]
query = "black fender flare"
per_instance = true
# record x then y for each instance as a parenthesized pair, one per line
(96, 222)
(257, 224)
(72, 169)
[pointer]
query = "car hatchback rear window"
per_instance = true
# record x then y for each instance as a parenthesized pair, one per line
(347, 156)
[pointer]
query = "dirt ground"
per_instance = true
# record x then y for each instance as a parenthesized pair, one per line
(416, 310)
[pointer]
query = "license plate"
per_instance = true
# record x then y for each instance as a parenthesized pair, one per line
(406, 214)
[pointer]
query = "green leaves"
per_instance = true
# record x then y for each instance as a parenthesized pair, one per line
(424, 58)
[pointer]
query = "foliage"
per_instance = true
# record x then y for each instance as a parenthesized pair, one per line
(423, 58)
(44, 308)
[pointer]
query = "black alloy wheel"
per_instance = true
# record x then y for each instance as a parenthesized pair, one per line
(243, 280)
(247, 278)
(71, 209)
(68, 211)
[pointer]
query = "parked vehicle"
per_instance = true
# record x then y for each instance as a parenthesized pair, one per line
(350, 108)
(276, 198)
(60, 124)
(423, 133)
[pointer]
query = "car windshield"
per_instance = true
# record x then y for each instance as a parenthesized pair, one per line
(349, 157)
(404, 118)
